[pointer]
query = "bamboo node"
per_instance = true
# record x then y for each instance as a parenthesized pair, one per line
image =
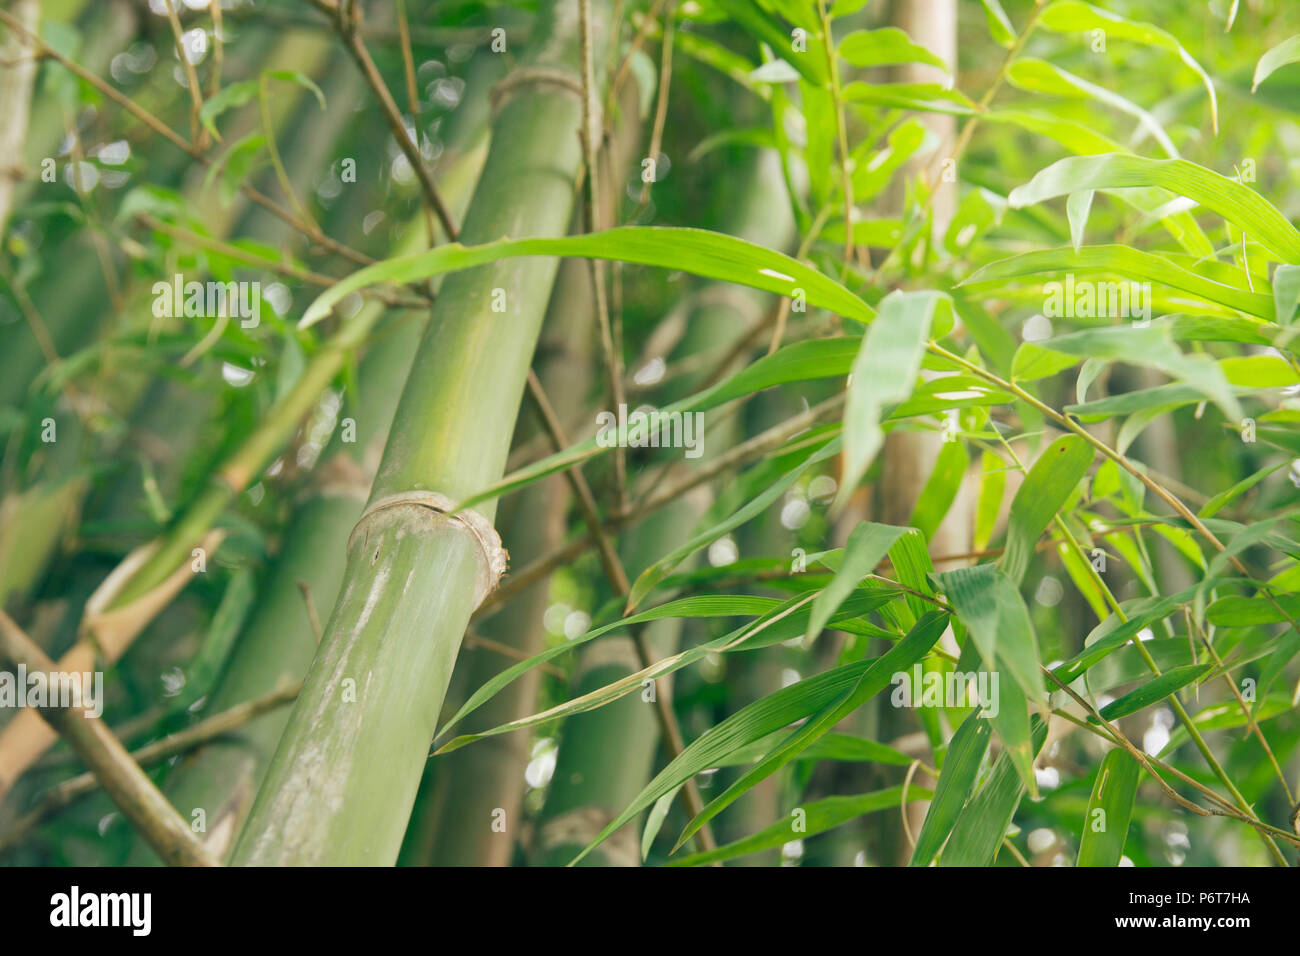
(492, 556)
(524, 76)
(581, 825)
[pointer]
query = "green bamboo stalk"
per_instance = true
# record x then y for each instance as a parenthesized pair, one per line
(342, 783)
(476, 787)
(278, 644)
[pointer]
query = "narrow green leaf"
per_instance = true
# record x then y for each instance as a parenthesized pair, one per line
(1039, 76)
(867, 546)
(229, 97)
(1153, 691)
(1074, 16)
(901, 656)
(956, 783)
(884, 372)
(648, 579)
(1077, 208)
(1105, 828)
(1225, 498)
(818, 817)
(940, 490)
(697, 251)
(654, 820)
(1227, 715)
(1286, 293)
(993, 482)
(995, 616)
(1045, 490)
(750, 723)
(301, 79)
(923, 97)
(1288, 51)
(1113, 633)
(1033, 361)
(699, 606)
(1130, 263)
(888, 45)
(983, 822)
(1237, 611)
(1237, 203)
(1000, 28)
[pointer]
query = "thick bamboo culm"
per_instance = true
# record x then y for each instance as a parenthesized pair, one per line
(358, 737)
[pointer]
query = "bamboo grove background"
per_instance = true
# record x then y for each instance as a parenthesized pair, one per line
(363, 583)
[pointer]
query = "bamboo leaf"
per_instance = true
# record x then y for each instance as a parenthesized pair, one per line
(1000, 28)
(988, 603)
(901, 656)
(1033, 361)
(940, 491)
(993, 482)
(1105, 827)
(750, 723)
(884, 372)
(867, 546)
(983, 822)
(1286, 293)
(1153, 691)
(799, 361)
(1077, 208)
(651, 576)
(923, 97)
(888, 45)
(697, 251)
(1288, 51)
(1227, 715)
(1225, 498)
(956, 783)
(230, 96)
(1034, 75)
(701, 606)
(818, 817)
(1237, 611)
(301, 79)
(1113, 633)
(1046, 488)
(997, 620)
(1074, 16)
(1237, 203)
(1123, 261)
(654, 820)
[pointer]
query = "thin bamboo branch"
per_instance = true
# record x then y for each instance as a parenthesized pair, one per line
(665, 84)
(197, 133)
(610, 343)
(353, 39)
